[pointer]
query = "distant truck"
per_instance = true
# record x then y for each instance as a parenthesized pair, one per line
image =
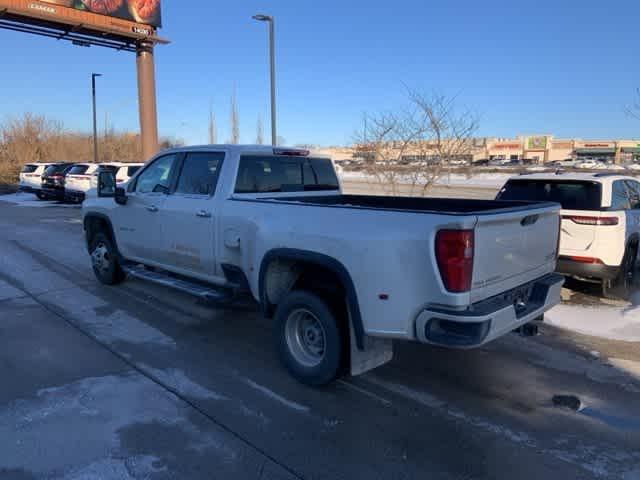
(341, 275)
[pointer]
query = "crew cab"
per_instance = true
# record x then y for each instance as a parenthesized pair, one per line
(341, 275)
(600, 227)
(31, 178)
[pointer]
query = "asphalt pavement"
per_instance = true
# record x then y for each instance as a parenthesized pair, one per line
(137, 381)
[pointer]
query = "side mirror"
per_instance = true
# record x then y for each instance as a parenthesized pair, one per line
(106, 185)
(120, 196)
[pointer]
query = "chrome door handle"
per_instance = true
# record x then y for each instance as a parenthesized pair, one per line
(203, 214)
(152, 208)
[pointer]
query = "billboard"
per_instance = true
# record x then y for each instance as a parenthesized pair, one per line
(537, 143)
(147, 12)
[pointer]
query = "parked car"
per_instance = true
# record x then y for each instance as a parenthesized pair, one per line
(53, 181)
(31, 178)
(341, 275)
(126, 171)
(600, 223)
(78, 181)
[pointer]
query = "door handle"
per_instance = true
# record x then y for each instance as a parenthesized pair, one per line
(152, 208)
(203, 214)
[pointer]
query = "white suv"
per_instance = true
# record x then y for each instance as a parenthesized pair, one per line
(600, 227)
(31, 178)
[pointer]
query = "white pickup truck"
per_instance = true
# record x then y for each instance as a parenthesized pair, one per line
(341, 275)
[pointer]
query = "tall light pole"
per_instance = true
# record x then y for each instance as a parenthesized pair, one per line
(272, 56)
(95, 119)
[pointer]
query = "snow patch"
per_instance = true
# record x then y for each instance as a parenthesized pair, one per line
(92, 413)
(603, 321)
(30, 200)
(279, 398)
(178, 381)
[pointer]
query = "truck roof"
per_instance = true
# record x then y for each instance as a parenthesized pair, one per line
(593, 177)
(248, 148)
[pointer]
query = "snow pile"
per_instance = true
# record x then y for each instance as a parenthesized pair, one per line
(613, 323)
(487, 180)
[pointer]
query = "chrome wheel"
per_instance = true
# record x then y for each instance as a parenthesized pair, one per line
(305, 337)
(101, 258)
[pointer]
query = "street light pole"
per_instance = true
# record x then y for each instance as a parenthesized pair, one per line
(95, 119)
(272, 60)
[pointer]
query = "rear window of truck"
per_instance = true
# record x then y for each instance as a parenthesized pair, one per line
(29, 168)
(273, 174)
(572, 195)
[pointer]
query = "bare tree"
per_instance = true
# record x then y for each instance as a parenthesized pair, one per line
(23, 140)
(34, 138)
(213, 133)
(415, 146)
(259, 131)
(234, 120)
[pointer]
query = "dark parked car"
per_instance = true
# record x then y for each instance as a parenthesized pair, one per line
(53, 181)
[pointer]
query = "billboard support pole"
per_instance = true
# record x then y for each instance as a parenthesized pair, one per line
(147, 99)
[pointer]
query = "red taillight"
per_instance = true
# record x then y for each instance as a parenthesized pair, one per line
(584, 220)
(454, 253)
(589, 260)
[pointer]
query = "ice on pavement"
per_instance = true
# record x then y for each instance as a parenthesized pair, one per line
(30, 200)
(613, 323)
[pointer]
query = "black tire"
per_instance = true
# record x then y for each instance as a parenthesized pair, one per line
(300, 363)
(622, 286)
(41, 196)
(106, 266)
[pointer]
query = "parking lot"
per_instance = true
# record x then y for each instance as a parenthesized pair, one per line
(137, 381)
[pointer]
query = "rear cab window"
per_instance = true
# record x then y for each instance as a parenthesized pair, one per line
(571, 194)
(29, 168)
(281, 173)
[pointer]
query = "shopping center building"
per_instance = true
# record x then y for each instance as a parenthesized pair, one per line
(546, 148)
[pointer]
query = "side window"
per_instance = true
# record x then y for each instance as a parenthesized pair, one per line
(200, 172)
(634, 193)
(619, 196)
(157, 176)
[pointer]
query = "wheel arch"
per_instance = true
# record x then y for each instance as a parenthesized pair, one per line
(97, 222)
(291, 258)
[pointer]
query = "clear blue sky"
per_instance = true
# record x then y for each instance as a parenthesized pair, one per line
(563, 67)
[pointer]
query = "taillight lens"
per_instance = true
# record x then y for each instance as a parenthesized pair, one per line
(454, 254)
(588, 260)
(584, 220)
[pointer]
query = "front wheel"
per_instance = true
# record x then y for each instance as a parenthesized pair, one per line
(308, 338)
(41, 196)
(104, 260)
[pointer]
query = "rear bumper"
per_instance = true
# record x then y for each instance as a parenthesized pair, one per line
(490, 319)
(53, 192)
(586, 270)
(73, 196)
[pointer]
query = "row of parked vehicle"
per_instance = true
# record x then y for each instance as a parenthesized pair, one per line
(63, 181)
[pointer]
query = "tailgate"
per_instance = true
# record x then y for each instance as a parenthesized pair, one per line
(79, 183)
(577, 235)
(514, 248)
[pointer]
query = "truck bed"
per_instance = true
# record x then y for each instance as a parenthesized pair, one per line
(448, 206)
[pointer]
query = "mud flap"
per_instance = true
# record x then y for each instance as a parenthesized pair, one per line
(377, 352)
